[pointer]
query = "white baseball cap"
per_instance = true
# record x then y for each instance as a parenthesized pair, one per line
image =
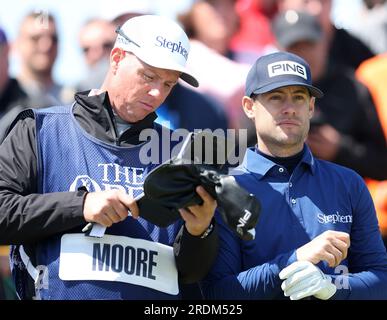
(157, 41)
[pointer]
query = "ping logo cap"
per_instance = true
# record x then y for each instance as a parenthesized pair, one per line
(279, 69)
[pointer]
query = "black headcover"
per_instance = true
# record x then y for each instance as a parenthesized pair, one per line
(172, 186)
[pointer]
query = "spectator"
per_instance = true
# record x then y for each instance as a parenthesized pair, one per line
(96, 39)
(37, 48)
(11, 94)
(343, 48)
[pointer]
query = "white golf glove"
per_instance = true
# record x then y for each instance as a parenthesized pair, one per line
(304, 279)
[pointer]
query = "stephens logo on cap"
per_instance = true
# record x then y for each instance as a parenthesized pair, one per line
(173, 46)
(286, 67)
(157, 41)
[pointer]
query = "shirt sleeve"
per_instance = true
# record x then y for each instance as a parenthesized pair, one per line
(367, 258)
(195, 255)
(228, 278)
(25, 215)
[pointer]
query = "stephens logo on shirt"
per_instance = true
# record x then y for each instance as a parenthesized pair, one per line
(334, 218)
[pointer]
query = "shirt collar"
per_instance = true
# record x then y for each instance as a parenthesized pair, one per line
(256, 163)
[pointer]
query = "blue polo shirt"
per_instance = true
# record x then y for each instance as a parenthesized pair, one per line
(316, 197)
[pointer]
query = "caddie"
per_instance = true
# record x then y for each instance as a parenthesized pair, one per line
(64, 166)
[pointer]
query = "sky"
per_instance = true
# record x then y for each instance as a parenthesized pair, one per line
(71, 14)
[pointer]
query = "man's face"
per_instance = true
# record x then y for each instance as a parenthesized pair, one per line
(38, 45)
(137, 89)
(97, 40)
(282, 119)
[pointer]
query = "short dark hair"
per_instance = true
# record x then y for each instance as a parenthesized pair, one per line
(254, 96)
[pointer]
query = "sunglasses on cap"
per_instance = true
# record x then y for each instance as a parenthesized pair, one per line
(122, 34)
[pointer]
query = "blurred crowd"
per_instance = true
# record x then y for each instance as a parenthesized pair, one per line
(227, 36)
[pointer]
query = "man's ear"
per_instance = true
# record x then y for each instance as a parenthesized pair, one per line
(116, 56)
(248, 107)
(311, 107)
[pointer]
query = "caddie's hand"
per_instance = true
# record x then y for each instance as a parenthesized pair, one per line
(304, 279)
(198, 218)
(330, 246)
(108, 207)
